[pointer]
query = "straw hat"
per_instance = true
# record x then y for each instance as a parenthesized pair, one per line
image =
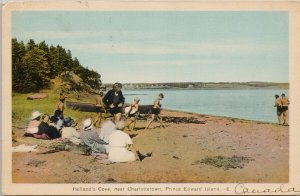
(87, 124)
(136, 99)
(35, 114)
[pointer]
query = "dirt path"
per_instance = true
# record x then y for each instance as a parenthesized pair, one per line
(178, 154)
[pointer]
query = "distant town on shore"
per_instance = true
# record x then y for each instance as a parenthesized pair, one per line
(203, 85)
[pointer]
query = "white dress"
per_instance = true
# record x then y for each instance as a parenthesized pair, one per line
(71, 134)
(106, 130)
(118, 152)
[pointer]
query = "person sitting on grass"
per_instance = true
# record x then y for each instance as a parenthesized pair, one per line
(114, 101)
(68, 132)
(33, 127)
(90, 138)
(121, 147)
(99, 109)
(46, 128)
(156, 109)
(132, 112)
(33, 123)
(57, 120)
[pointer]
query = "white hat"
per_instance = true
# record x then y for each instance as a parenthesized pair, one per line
(35, 114)
(88, 124)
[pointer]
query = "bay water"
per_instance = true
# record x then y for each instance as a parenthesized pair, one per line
(250, 104)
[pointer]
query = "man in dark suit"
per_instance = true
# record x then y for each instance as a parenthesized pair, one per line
(114, 101)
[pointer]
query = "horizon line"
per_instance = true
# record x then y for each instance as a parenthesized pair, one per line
(194, 82)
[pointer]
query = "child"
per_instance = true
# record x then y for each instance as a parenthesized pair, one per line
(61, 105)
(156, 110)
(132, 112)
(99, 109)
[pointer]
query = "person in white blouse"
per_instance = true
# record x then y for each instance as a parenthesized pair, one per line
(121, 147)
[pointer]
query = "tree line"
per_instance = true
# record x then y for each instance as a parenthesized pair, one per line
(34, 65)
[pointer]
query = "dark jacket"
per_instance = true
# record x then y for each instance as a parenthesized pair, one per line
(48, 130)
(108, 99)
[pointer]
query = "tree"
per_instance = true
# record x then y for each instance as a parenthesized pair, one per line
(30, 45)
(34, 65)
(19, 72)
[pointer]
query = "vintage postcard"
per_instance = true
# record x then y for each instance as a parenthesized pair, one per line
(150, 98)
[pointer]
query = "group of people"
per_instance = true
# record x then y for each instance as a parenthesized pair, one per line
(109, 142)
(106, 139)
(42, 126)
(282, 105)
(113, 103)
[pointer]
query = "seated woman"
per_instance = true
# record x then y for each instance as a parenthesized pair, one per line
(107, 128)
(57, 120)
(132, 112)
(32, 128)
(121, 147)
(68, 132)
(90, 138)
(45, 128)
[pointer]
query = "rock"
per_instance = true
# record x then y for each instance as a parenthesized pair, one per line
(37, 96)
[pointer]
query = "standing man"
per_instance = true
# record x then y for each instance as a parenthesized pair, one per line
(279, 108)
(114, 101)
(285, 108)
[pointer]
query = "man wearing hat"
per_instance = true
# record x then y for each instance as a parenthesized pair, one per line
(68, 132)
(91, 138)
(114, 101)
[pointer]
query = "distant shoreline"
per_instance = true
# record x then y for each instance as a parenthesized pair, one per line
(258, 88)
(203, 85)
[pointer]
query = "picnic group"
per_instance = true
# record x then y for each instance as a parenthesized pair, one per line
(107, 140)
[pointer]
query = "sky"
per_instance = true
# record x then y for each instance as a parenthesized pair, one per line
(157, 46)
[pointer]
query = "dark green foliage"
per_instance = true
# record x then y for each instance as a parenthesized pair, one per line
(34, 65)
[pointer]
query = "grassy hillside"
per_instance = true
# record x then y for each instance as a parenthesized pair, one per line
(22, 107)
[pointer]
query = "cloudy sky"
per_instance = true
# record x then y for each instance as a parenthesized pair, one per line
(167, 46)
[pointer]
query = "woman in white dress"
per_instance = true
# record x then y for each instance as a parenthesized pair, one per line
(119, 145)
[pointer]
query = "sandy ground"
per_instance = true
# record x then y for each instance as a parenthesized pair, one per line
(177, 151)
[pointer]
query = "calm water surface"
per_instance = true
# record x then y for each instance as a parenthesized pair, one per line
(251, 104)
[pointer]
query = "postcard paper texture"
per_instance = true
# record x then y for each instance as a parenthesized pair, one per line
(163, 97)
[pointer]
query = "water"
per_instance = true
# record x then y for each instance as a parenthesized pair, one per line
(251, 104)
